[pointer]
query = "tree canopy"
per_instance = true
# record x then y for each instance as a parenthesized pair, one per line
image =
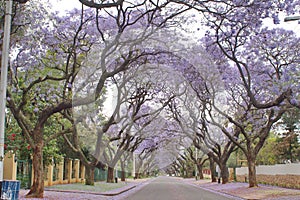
(170, 88)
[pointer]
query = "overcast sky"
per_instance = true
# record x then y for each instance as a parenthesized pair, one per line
(65, 5)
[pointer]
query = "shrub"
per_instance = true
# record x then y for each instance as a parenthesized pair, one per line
(287, 181)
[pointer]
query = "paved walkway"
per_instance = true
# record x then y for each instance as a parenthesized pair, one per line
(238, 190)
(242, 190)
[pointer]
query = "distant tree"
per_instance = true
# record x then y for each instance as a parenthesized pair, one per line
(268, 155)
(194, 113)
(289, 142)
(288, 147)
(198, 160)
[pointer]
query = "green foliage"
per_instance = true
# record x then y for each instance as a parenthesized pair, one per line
(288, 147)
(267, 155)
(51, 152)
(291, 119)
(98, 187)
(235, 158)
(14, 140)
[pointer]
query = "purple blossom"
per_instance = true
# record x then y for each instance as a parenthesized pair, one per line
(294, 101)
(69, 85)
(275, 19)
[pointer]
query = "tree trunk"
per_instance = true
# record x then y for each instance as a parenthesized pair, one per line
(224, 173)
(137, 172)
(37, 188)
(252, 172)
(212, 169)
(110, 175)
(137, 175)
(200, 167)
(90, 175)
(122, 175)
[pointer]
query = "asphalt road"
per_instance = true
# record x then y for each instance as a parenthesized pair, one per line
(169, 188)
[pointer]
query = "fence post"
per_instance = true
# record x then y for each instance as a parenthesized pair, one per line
(32, 170)
(10, 166)
(231, 174)
(77, 168)
(69, 170)
(60, 174)
(82, 173)
(50, 174)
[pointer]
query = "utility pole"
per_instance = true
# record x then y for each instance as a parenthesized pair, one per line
(3, 85)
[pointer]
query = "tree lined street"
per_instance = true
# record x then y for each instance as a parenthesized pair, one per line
(171, 188)
(151, 87)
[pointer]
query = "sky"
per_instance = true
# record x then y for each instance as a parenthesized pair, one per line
(66, 5)
(291, 25)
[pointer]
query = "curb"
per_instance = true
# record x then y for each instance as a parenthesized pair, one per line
(225, 194)
(117, 193)
(218, 192)
(108, 193)
(94, 193)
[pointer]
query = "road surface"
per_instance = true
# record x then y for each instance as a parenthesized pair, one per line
(170, 188)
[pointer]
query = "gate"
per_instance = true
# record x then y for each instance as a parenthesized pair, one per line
(100, 175)
(24, 173)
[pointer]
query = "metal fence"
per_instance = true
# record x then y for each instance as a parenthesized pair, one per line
(24, 173)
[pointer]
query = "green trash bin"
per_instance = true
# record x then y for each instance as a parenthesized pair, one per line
(10, 190)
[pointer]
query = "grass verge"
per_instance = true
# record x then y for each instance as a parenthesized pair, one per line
(98, 187)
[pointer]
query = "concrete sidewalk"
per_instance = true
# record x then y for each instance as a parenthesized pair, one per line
(241, 190)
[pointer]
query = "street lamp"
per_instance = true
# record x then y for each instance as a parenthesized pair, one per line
(291, 18)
